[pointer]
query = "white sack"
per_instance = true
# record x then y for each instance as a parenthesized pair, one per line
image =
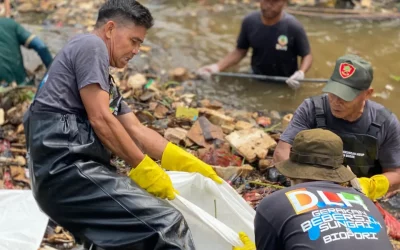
(215, 213)
(22, 224)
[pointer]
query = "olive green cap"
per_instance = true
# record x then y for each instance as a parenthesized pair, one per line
(351, 75)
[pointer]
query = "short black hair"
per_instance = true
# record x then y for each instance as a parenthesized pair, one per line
(125, 10)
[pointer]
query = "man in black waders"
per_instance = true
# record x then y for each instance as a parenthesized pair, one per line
(78, 115)
(370, 132)
(277, 40)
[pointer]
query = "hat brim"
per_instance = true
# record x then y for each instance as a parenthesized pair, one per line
(296, 170)
(341, 90)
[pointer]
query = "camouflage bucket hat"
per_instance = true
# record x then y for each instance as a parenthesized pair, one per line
(316, 154)
(351, 75)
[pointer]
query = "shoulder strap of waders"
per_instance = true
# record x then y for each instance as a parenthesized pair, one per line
(319, 109)
(381, 116)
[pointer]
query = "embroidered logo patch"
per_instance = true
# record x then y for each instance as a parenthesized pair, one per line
(282, 43)
(282, 40)
(346, 70)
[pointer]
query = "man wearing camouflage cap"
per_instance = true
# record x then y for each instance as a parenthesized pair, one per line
(370, 133)
(317, 212)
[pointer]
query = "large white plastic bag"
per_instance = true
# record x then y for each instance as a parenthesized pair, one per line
(200, 200)
(22, 224)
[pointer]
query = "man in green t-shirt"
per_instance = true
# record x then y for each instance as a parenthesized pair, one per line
(12, 36)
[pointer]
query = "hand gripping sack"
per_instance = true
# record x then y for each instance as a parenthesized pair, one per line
(215, 213)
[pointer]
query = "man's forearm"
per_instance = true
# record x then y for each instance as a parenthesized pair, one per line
(233, 58)
(151, 142)
(40, 47)
(394, 180)
(281, 152)
(113, 135)
(306, 63)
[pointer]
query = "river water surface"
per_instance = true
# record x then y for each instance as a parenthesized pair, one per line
(191, 34)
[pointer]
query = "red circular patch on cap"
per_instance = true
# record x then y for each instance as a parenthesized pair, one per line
(346, 70)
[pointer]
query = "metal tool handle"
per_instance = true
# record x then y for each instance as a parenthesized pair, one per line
(265, 77)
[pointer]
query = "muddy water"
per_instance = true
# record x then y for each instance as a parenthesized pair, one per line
(190, 34)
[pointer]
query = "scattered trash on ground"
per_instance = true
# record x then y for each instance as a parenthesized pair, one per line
(235, 142)
(238, 144)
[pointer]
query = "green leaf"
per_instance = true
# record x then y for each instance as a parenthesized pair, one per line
(272, 128)
(396, 78)
(171, 84)
(149, 83)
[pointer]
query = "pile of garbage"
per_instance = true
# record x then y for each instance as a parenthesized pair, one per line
(215, 132)
(238, 144)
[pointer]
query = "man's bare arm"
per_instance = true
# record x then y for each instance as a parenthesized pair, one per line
(109, 130)
(393, 175)
(306, 63)
(233, 58)
(151, 142)
(282, 151)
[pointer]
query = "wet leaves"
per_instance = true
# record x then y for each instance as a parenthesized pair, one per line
(251, 143)
(220, 157)
(263, 121)
(160, 111)
(58, 237)
(197, 132)
(179, 74)
(137, 81)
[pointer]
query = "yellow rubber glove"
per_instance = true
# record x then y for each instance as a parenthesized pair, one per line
(176, 159)
(149, 176)
(374, 187)
(248, 244)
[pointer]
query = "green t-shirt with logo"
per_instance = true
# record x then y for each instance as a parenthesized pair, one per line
(12, 36)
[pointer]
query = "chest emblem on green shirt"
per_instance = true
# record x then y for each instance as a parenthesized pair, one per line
(282, 43)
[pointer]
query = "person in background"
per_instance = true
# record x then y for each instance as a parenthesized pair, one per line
(370, 132)
(316, 212)
(5, 8)
(12, 36)
(277, 39)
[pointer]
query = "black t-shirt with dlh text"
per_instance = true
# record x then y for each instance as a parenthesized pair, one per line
(319, 215)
